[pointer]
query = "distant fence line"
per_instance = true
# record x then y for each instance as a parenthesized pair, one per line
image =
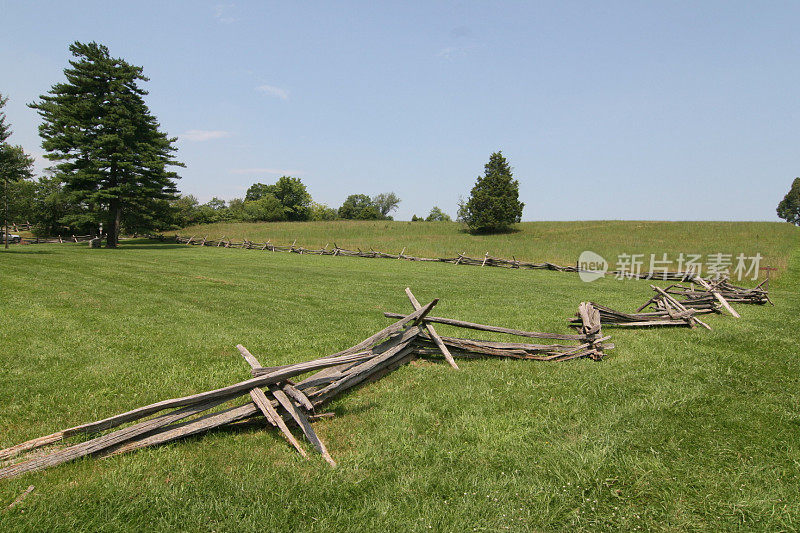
(57, 240)
(460, 259)
(20, 227)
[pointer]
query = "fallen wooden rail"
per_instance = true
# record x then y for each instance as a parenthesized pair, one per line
(272, 396)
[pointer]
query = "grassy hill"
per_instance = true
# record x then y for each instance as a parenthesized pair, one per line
(556, 242)
(674, 430)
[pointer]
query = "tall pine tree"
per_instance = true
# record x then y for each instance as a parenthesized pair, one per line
(493, 205)
(113, 158)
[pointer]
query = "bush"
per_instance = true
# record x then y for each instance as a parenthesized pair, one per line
(437, 215)
(265, 209)
(322, 212)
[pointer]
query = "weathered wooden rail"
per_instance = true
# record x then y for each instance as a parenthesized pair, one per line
(275, 398)
(459, 259)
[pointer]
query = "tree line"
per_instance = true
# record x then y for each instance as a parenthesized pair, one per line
(114, 166)
(287, 199)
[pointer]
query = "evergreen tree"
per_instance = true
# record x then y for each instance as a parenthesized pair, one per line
(789, 207)
(493, 205)
(15, 165)
(112, 156)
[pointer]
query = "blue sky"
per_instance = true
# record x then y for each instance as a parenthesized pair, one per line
(605, 110)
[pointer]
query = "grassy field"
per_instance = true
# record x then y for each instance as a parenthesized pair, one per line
(557, 242)
(675, 430)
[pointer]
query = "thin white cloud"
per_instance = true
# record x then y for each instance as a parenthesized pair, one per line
(203, 135)
(281, 171)
(462, 49)
(452, 51)
(271, 90)
(221, 13)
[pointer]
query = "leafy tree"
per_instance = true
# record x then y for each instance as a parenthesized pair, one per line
(359, 207)
(112, 155)
(235, 209)
(266, 209)
(385, 203)
(291, 192)
(185, 210)
(294, 196)
(15, 164)
(493, 205)
(51, 206)
(322, 212)
(257, 190)
(21, 200)
(789, 207)
(216, 204)
(415, 218)
(437, 215)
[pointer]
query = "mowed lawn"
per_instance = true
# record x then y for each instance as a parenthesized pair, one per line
(675, 430)
(556, 242)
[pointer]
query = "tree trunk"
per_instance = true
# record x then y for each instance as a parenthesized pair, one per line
(112, 236)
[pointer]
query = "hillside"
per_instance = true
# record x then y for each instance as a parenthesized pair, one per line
(556, 242)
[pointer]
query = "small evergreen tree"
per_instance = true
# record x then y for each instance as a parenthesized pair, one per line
(493, 205)
(113, 156)
(789, 207)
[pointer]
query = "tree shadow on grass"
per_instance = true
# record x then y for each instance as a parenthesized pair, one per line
(26, 251)
(489, 233)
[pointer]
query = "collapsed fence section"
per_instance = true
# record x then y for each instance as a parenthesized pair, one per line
(274, 398)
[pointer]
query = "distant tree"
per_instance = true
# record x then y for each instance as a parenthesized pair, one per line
(51, 206)
(235, 210)
(294, 196)
(215, 210)
(789, 207)
(185, 210)
(322, 212)
(113, 156)
(493, 205)
(257, 190)
(359, 207)
(385, 203)
(265, 209)
(437, 215)
(290, 192)
(21, 200)
(15, 164)
(415, 218)
(216, 204)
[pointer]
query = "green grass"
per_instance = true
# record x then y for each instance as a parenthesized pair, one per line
(674, 430)
(556, 242)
